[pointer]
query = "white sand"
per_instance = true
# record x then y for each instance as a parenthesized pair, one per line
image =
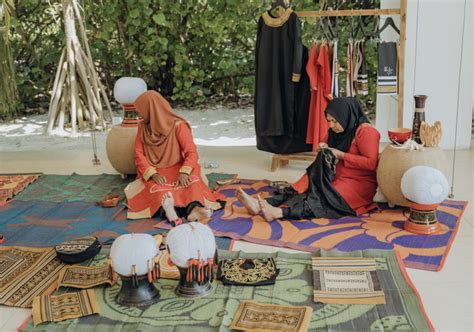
(217, 126)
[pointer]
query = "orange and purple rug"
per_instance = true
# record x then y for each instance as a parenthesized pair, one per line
(10, 185)
(382, 229)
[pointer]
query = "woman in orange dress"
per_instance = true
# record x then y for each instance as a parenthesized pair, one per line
(168, 173)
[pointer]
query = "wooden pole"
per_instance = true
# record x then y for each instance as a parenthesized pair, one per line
(401, 61)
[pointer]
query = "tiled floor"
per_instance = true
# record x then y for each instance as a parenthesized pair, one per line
(447, 295)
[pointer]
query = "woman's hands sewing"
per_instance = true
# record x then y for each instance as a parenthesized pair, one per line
(158, 178)
(337, 153)
(183, 180)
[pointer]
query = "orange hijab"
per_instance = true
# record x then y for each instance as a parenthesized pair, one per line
(158, 130)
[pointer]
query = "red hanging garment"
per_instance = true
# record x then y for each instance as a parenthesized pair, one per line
(319, 72)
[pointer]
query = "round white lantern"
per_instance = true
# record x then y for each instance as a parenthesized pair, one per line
(133, 250)
(133, 257)
(192, 248)
(190, 241)
(425, 188)
(127, 89)
(424, 185)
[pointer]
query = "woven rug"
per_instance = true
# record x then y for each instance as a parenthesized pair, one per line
(75, 187)
(216, 311)
(346, 280)
(50, 308)
(378, 230)
(84, 277)
(10, 185)
(45, 224)
(253, 316)
(26, 273)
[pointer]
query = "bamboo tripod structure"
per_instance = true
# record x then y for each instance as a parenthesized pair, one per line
(77, 90)
(283, 160)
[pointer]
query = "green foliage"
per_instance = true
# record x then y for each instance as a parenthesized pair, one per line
(189, 50)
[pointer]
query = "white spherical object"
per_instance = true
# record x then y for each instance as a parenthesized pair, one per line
(133, 249)
(424, 185)
(127, 89)
(190, 241)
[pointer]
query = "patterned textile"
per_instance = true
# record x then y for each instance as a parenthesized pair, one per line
(167, 269)
(46, 224)
(253, 316)
(75, 187)
(51, 308)
(10, 185)
(382, 229)
(294, 287)
(214, 179)
(26, 273)
(346, 281)
(78, 276)
(247, 272)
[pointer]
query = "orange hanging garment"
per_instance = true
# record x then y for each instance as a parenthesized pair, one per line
(319, 72)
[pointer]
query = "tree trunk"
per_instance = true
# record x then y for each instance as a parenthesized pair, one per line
(77, 89)
(8, 90)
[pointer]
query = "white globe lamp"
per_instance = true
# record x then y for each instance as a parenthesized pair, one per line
(134, 257)
(192, 248)
(425, 188)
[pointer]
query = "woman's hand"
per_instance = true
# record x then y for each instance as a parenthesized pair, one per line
(183, 180)
(322, 146)
(337, 153)
(158, 178)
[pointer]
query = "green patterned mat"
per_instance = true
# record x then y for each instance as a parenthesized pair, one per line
(403, 310)
(75, 187)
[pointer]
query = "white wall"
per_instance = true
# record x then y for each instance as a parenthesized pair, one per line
(432, 64)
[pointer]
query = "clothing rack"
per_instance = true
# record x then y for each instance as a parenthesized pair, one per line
(282, 160)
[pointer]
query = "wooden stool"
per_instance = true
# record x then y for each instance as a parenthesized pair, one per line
(284, 159)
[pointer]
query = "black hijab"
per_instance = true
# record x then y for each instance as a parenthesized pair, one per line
(349, 114)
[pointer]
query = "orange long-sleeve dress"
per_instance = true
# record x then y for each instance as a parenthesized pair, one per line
(319, 72)
(144, 194)
(355, 179)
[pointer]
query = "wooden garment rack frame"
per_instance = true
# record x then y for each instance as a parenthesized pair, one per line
(283, 159)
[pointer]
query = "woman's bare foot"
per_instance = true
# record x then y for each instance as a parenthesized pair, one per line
(250, 203)
(200, 213)
(168, 205)
(270, 213)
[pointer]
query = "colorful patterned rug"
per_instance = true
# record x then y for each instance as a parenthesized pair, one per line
(75, 187)
(294, 287)
(45, 224)
(26, 273)
(10, 185)
(378, 230)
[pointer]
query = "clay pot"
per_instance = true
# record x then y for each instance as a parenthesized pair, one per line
(120, 146)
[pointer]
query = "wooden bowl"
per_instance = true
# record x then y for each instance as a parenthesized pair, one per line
(399, 135)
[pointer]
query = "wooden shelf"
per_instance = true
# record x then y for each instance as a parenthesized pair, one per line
(284, 159)
(349, 12)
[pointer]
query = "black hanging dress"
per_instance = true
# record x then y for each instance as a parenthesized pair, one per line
(282, 93)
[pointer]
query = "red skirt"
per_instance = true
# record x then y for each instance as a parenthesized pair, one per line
(144, 197)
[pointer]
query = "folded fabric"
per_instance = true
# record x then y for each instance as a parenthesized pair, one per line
(52, 308)
(253, 316)
(167, 269)
(78, 276)
(247, 272)
(343, 280)
(26, 273)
